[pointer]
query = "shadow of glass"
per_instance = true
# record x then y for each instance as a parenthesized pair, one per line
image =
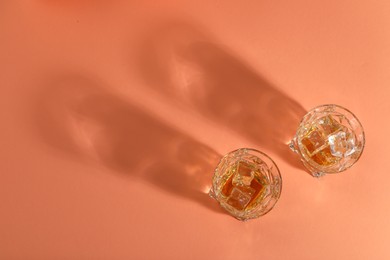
(87, 121)
(184, 63)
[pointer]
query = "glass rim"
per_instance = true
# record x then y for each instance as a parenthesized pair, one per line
(359, 125)
(256, 153)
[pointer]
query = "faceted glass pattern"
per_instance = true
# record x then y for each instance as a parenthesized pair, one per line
(329, 139)
(246, 183)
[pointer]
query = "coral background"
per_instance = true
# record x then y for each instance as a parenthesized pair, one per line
(115, 113)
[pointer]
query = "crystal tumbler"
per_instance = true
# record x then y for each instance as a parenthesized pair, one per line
(329, 139)
(246, 183)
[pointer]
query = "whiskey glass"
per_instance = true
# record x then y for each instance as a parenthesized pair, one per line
(246, 183)
(330, 139)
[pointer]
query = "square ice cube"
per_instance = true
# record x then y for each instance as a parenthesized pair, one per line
(313, 141)
(342, 144)
(329, 125)
(244, 174)
(238, 199)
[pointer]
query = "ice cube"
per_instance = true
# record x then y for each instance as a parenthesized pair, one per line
(238, 199)
(342, 144)
(313, 141)
(329, 125)
(244, 174)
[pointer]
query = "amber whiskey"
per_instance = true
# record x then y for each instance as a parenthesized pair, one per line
(324, 139)
(244, 186)
(329, 139)
(246, 183)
